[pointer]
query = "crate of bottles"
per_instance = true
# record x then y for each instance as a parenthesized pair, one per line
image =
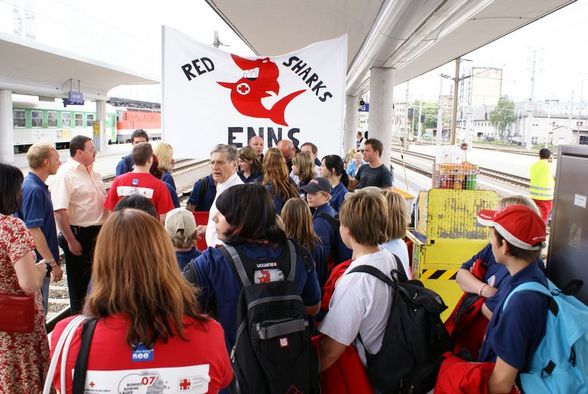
(462, 176)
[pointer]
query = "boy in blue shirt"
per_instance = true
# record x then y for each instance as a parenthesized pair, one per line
(514, 333)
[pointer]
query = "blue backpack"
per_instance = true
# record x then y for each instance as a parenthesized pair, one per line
(560, 363)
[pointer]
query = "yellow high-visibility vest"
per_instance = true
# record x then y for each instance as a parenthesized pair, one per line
(542, 183)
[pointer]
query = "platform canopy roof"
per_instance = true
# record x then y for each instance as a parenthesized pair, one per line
(27, 67)
(411, 36)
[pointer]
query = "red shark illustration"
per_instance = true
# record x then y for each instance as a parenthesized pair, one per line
(260, 79)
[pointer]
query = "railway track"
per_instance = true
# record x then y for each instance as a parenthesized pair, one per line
(486, 172)
(58, 293)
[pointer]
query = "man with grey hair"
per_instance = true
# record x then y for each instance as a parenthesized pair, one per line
(223, 162)
(288, 151)
(36, 209)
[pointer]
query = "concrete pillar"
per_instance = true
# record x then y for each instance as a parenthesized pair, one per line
(6, 127)
(351, 123)
(99, 134)
(381, 119)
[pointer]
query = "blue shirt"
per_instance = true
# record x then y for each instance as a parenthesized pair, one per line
(253, 178)
(36, 211)
(205, 203)
(496, 274)
(338, 196)
(514, 334)
(169, 179)
(124, 165)
(333, 247)
(217, 280)
(185, 256)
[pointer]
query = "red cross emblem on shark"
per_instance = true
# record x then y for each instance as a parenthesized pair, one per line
(259, 81)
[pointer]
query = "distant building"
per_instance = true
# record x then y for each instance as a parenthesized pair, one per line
(484, 87)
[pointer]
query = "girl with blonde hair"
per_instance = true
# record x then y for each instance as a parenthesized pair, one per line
(397, 229)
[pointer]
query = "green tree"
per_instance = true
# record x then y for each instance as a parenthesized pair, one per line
(429, 113)
(503, 116)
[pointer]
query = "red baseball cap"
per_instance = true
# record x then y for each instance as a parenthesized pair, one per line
(518, 224)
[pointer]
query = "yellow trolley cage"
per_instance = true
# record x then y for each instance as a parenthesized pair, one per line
(446, 235)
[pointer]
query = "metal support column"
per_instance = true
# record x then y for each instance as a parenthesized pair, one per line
(99, 134)
(351, 123)
(6, 127)
(381, 118)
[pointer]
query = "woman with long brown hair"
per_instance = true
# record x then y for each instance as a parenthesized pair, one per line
(276, 179)
(149, 322)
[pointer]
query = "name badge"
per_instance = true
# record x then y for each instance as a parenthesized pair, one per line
(141, 353)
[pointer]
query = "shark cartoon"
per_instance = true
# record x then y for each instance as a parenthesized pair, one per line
(260, 79)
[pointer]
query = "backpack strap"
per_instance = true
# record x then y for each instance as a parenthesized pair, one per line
(533, 286)
(334, 222)
(368, 269)
(81, 367)
(203, 189)
(232, 255)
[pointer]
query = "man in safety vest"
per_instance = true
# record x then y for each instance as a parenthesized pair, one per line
(542, 183)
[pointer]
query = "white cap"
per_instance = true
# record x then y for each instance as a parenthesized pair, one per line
(180, 219)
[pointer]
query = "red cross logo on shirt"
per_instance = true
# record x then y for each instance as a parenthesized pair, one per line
(243, 88)
(92, 384)
(185, 384)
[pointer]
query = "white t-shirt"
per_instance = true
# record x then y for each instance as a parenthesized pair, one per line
(211, 239)
(360, 305)
(398, 247)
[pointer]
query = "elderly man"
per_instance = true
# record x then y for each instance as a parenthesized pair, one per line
(36, 209)
(78, 195)
(288, 151)
(223, 161)
(256, 142)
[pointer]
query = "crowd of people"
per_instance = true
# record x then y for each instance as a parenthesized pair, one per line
(171, 310)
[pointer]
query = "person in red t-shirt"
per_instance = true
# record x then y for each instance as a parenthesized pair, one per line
(140, 181)
(150, 333)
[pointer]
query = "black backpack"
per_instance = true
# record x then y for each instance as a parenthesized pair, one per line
(339, 251)
(273, 352)
(414, 337)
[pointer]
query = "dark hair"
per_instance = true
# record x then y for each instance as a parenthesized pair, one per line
(10, 182)
(375, 144)
(141, 153)
(77, 143)
(137, 201)
(520, 253)
(313, 147)
(544, 153)
(139, 133)
(250, 212)
(335, 163)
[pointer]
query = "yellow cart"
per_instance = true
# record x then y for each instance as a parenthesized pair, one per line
(446, 235)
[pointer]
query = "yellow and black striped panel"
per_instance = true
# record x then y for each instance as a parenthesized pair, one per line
(432, 274)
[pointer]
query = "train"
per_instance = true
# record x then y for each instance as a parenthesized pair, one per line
(36, 120)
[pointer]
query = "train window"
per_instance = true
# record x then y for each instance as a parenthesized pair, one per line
(19, 118)
(79, 119)
(65, 119)
(51, 119)
(90, 120)
(36, 118)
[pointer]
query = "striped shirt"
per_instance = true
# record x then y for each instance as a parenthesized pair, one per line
(79, 190)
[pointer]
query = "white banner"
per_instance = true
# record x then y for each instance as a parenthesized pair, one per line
(211, 96)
